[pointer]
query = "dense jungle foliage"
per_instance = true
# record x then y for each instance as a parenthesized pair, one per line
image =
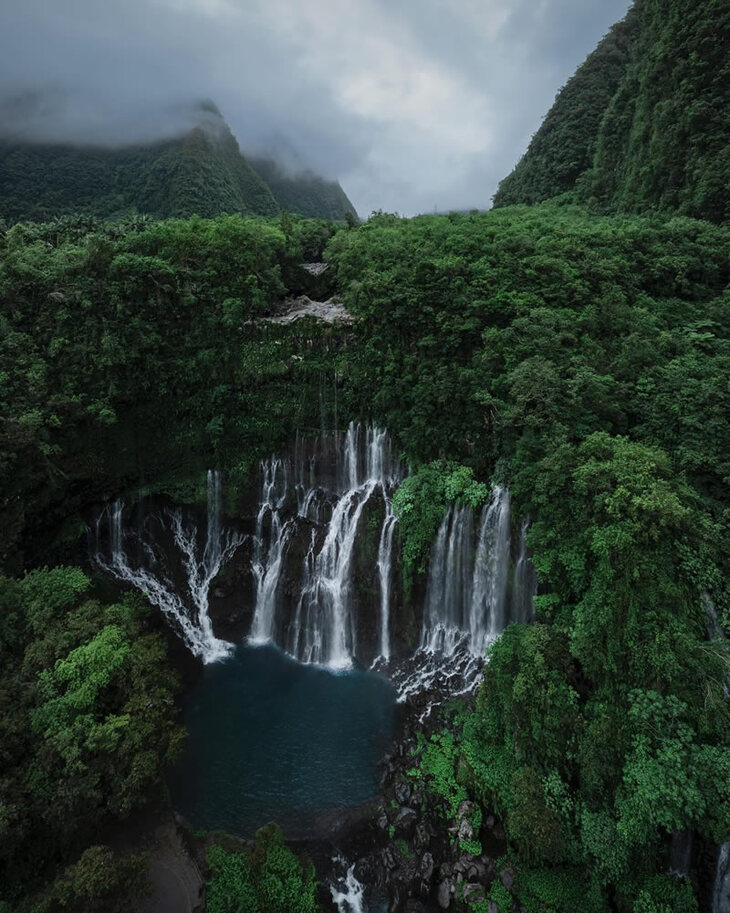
(305, 192)
(265, 878)
(584, 360)
(196, 175)
(658, 141)
(87, 728)
(200, 173)
(113, 331)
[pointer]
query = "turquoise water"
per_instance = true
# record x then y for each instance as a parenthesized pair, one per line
(273, 740)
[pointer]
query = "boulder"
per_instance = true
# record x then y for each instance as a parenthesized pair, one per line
(507, 877)
(426, 867)
(413, 905)
(443, 895)
(480, 869)
(364, 871)
(405, 821)
(473, 893)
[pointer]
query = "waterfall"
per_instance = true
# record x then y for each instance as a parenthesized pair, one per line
(469, 601)
(351, 457)
(448, 594)
(680, 853)
(466, 598)
(325, 624)
(714, 628)
(525, 582)
(721, 888)
(331, 504)
(152, 577)
(347, 892)
(269, 541)
(488, 614)
(385, 561)
(213, 531)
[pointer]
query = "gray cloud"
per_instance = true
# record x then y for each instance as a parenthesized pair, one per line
(412, 105)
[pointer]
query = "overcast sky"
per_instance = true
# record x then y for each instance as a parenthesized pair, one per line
(411, 104)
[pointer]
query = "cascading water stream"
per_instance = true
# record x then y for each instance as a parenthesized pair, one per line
(680, 853)
(151, 577)
(525, 585)
(466, 599)
(269, 542)
(324, 630)
(488, 609)
(347, 892)
(385, 562)
(448, 594)
(323, 627)
(469, 600)
(721, 887)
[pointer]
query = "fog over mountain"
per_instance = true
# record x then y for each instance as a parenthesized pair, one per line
(412, 107)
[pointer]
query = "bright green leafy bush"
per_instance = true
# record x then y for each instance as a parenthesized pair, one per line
(87, 731)
(268, 878)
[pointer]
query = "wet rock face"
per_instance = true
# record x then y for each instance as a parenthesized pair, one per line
(330, 311)
(232, 597)
(507, 877)
(315, 279)
(405, 822)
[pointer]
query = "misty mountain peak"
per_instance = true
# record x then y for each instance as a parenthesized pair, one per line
(198, 168)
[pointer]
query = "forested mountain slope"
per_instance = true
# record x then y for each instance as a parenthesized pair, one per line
(643, 124)
(201, 173)
(305, 193)
(564, 146)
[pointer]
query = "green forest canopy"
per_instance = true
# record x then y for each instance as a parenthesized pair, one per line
(584, 359)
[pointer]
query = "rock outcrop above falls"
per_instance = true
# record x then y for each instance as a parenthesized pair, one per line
(330, 311)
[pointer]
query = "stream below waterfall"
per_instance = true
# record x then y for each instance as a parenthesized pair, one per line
(272, 739)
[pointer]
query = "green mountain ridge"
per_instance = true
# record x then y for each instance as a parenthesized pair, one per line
(643, 123)
(200, 173)
(305, 192)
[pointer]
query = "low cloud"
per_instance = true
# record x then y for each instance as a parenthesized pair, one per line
(413, 106)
